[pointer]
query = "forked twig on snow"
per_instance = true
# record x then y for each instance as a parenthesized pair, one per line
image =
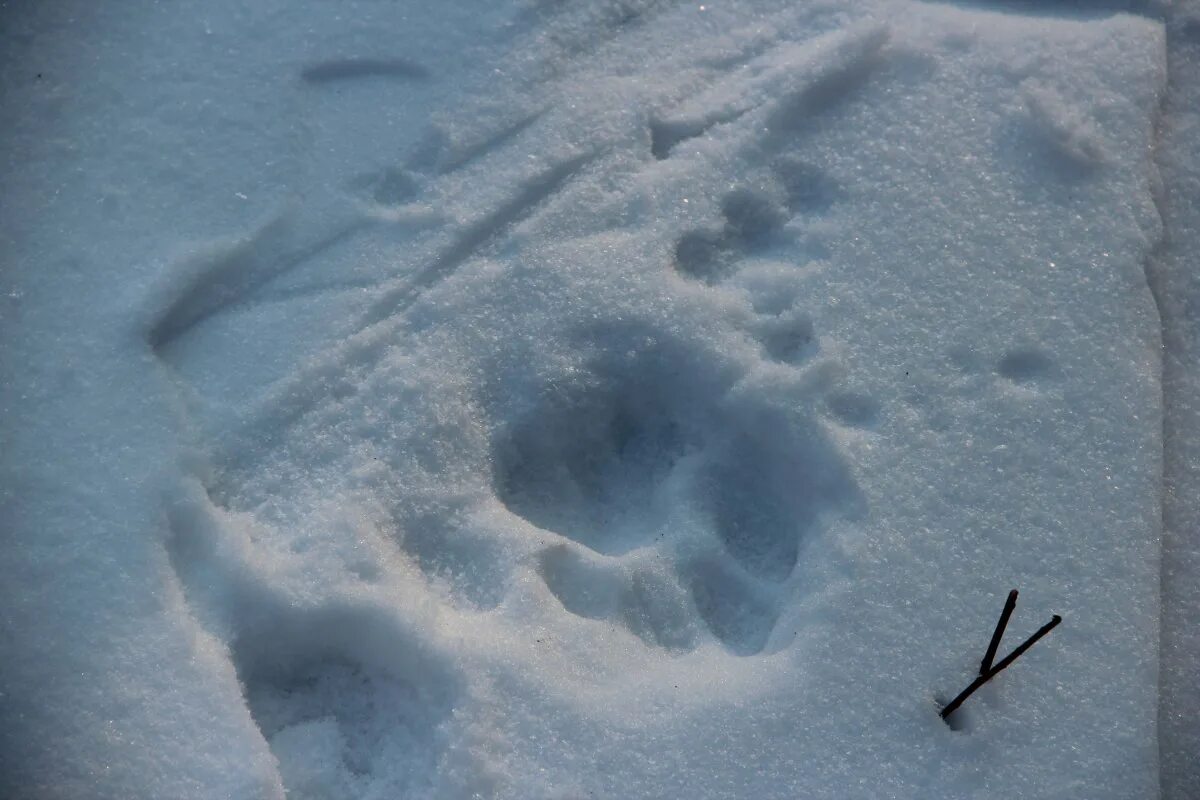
(986, 670)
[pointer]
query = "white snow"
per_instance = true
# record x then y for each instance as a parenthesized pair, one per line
(596, 399)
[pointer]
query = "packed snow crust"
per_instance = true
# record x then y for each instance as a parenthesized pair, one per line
(601, 399)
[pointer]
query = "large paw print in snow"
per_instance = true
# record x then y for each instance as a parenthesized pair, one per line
(678, 507)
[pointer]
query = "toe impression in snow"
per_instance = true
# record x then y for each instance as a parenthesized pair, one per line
(986, 670)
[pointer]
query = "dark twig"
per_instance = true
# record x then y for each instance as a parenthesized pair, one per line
(953, 705)
(1009, 605)
(1028, 643)
(1005, 662)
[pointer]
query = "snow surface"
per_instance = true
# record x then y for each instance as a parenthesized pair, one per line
(1174, 278)
(630, 399)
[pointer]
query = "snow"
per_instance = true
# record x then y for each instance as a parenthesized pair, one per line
(619, 399)
(1172, 275)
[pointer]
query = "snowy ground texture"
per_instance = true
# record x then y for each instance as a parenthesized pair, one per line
(598, 398)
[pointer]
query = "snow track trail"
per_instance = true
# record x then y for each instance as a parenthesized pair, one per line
(529, 404)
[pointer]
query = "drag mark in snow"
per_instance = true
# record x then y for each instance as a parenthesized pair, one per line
(1066, 128)
(796, 81)
(461, 156)
(844, 68)
(230, 275)
(476, 236)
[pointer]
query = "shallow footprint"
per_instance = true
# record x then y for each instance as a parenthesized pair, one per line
(809, 190)
(733, 607)
(1025, 365)
(585, 586)
(753, 220)
(788, 339)
(702, 255)
(854, 409)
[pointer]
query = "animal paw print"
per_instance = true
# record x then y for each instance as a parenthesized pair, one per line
(753, 220)
(674, 511)
(756, 238)
(1026, 366)
(807, 188)
(787, 338)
